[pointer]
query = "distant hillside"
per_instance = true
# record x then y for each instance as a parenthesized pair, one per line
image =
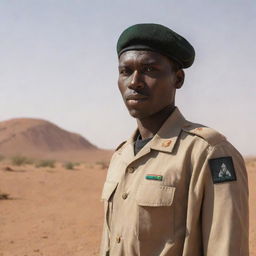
(40, 138)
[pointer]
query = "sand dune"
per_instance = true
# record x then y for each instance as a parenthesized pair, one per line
(38, 138)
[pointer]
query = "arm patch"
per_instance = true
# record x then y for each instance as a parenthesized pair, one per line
(222, 169)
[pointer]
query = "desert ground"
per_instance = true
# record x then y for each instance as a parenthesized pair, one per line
(55, 211)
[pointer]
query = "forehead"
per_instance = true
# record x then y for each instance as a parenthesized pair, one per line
(143, 57)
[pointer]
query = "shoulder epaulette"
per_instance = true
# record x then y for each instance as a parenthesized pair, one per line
(208, 134)
(120, 145)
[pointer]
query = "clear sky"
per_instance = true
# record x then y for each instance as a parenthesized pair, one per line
(58, 62)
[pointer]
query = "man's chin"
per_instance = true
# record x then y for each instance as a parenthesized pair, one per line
(137, 114)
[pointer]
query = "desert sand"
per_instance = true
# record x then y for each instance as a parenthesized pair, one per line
(51, 211)
(58, 212)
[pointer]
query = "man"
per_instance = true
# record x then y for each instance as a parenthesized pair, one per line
(174, 188)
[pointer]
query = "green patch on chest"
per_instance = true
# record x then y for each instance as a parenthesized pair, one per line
(154, 177)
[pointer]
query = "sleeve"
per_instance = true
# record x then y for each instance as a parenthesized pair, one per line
(224, 209)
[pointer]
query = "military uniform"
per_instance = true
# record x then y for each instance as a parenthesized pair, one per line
(184, 193)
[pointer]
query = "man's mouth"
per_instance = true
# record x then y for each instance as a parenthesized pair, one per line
(136, 97)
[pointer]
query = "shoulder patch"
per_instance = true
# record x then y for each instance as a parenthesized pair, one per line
(120, 145)
(210, 135)
(222, 169)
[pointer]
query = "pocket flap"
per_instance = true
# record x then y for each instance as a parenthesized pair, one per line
(108, 189)
(155, 195)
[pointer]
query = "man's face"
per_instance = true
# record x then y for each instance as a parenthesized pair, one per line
(147, 81)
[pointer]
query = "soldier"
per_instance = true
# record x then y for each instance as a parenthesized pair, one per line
(168, 186)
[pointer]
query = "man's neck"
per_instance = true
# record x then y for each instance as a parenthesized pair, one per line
(149, 126)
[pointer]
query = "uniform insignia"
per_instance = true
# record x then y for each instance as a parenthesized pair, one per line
(154, 177)
(166, 143)
(222, 169)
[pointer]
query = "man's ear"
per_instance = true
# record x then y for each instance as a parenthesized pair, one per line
(180, 76)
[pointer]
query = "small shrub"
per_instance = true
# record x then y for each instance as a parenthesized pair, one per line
(69, 165)
(46, 163)
(21, 160)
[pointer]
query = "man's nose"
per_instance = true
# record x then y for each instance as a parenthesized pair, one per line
(136, 81)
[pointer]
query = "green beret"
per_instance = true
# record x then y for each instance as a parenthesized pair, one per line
(156, 37)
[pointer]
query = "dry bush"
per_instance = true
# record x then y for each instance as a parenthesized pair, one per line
(69, 165)
(46, 163)
(21, 160)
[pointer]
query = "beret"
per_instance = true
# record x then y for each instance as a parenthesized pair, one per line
(156, 37)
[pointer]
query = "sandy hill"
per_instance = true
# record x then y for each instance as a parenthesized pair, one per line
(42, 139)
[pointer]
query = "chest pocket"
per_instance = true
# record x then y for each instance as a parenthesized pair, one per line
(155, 213)
(155, 195)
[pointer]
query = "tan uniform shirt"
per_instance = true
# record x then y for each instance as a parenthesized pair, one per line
(179, 196)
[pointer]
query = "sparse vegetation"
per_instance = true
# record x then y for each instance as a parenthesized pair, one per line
(69, 165)
(21, 160)
(102, 164)
(46, 163)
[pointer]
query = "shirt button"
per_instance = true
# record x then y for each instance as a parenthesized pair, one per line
(131, 169)
(124, 195)
(118, 239)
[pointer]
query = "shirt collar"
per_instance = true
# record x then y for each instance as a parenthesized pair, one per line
(165, 139)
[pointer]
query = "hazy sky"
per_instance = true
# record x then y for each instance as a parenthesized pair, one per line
(58, 62)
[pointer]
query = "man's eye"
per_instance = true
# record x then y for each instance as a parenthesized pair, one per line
(124, 71)
(150, 69)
